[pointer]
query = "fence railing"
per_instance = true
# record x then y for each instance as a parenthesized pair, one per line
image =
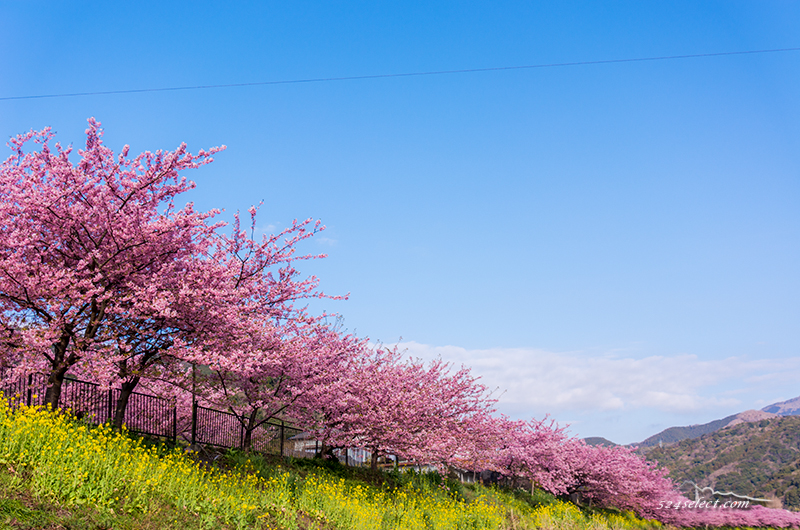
(225, 429)
(156, 416)
(145, 414)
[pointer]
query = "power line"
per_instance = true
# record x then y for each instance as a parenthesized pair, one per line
(406, 74)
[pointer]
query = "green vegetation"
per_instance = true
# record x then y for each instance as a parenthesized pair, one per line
(56, 472)
(760, 459)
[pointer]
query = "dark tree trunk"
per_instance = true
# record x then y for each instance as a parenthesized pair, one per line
(52, 395)
(131, 382)
(60, 363)
(122, 401)
(325, 452)
(247, 441)
(373, 463)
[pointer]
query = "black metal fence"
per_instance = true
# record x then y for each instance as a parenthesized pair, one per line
(145, 414)
(157, 416)
(21, 390)
(225, 429)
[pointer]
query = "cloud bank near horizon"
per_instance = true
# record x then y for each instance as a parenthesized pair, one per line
(536, 382)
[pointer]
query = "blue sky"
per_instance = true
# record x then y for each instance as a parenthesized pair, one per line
(616, 245)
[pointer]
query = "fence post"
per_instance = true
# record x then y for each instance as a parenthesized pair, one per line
(174, 423)
(241, 435)
(111, 405)
(282, 437)
(194, 423)
(30, 390)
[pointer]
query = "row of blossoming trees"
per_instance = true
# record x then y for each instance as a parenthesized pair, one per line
(103, 276)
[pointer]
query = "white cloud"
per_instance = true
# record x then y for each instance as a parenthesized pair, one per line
(537, 381)
(264, 230)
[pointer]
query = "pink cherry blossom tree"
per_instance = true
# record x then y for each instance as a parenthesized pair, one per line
(286, 376)
(263, 354)
(102, 274)
(617, 477)
(538, 451)
(403, 407)
(229, 315)
(82, 242)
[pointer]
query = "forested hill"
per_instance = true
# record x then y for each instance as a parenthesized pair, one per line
(598, 440)
(759, 459)
(676, 434)
(784, 408)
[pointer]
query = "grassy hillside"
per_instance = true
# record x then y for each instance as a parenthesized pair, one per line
(760, 459)
(58, 473)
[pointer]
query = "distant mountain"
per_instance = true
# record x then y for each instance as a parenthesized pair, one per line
(598, 440)
(785, 408)
(676, 434)
(756, 458)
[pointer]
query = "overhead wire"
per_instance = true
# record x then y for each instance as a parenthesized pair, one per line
(404, 74)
